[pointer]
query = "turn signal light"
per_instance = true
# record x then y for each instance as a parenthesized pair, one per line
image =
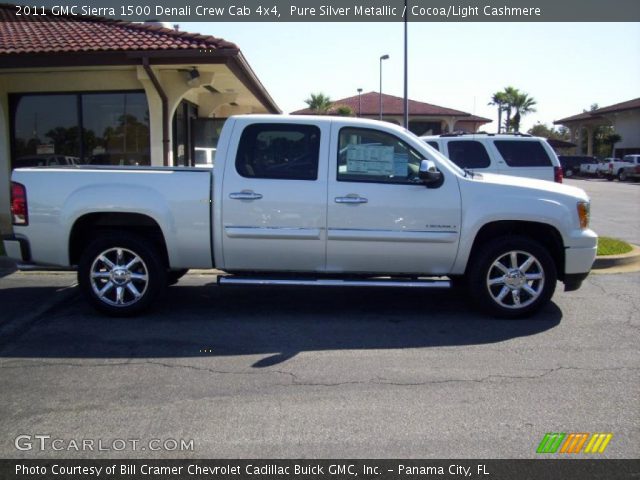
(583, 214)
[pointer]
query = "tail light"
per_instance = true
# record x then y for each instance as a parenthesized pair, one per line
(557, 174)
(19, 210)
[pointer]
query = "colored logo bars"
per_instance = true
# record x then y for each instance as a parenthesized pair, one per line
(573, 443)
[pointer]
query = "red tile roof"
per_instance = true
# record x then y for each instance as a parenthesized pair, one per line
(69, 34)
(595, 114)
(392, 105)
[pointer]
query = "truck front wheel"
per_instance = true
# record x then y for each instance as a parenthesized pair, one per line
(512, 277)
(121, 273)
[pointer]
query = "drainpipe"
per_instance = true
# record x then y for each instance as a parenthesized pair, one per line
(165, 110)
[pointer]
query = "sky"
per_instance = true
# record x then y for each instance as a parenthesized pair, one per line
(565, 67)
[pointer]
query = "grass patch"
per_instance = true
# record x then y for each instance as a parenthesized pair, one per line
(612, 246)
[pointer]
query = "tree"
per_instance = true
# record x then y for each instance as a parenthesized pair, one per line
(522, 104)
(542, 130)
(499, 99)
(611, 139)
(342, 111)
(319, 103)
(515, 104)
(510, 95)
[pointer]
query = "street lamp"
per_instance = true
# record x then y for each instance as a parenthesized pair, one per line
(383, 57)
(359, 102)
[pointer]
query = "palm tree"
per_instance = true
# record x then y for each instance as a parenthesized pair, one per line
(510, 95)
(319, 103)
(499, 99)
(523, 104)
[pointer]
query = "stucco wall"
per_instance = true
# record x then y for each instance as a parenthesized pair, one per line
(628, 127)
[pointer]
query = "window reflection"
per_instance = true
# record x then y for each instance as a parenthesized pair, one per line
(72, 129)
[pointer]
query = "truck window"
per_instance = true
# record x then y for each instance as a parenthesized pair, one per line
(366, 155)
(279, 151)
(434, 145)
(523, 153)
(468, 154)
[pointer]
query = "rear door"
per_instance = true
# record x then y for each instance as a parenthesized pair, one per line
(274, 197)
(381, 218)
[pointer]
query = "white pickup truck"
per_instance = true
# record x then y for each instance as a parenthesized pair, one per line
(306, 200)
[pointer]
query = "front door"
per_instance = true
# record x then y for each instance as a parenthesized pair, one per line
(274, 198)
(380, 217)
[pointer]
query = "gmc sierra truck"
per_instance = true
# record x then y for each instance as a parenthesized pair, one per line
(305, 201)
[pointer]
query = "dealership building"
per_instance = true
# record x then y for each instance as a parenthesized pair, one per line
(99, 91)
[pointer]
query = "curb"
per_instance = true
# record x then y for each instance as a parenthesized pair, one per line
(610, 261)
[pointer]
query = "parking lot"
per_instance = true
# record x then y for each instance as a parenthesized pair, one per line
(329, 373)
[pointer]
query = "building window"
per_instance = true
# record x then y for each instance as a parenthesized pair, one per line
(84, 128)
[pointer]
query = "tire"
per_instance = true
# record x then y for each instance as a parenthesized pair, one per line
(134, 287)
(492, 286)
(174, 276)
(622, 176)
(610, 178)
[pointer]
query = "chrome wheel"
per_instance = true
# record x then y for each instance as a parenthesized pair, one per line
(119, 277)
(515, 279)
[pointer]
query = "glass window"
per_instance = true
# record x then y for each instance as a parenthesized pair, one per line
(434, 145)
(468, 154)
(366, 155)
(70, 129)
(283, 151)
(116, 129)
(523, 153)
(45, 125)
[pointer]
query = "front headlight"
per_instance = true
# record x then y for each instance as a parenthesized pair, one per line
(584, 210)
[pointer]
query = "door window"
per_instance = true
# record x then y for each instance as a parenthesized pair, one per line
(468, 154)
(366, 155)
(523, 153)
(279, 151)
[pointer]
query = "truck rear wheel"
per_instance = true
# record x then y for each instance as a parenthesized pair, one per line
(512, 277)
(121, 273)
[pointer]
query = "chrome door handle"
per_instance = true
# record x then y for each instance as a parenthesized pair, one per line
(351, 199)
(245, 196)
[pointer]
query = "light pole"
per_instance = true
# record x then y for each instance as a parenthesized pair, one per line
(383, 57)
(406, 70)
(359, 102)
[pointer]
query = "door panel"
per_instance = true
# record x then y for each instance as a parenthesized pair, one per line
(398, 226)
(274, 198)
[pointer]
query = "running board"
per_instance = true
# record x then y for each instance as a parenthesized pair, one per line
(329, 282)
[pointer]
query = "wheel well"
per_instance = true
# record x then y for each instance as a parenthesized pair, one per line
(86, 227)
(543, 233)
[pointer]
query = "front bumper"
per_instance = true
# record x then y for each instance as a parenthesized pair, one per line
(579, 258)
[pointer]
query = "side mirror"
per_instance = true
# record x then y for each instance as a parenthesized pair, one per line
(429, 174)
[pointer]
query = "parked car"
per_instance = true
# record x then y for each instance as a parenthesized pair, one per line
(631, 171)
(306, 200)
(571, 164)
(519, 154)
(615, 167)
(593, 169)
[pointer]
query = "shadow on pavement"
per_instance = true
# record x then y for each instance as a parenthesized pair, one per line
(195, 321)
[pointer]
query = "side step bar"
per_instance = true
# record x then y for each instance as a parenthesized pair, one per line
(329, 282)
